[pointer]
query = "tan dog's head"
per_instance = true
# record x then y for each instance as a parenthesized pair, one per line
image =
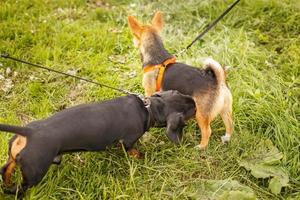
(145, 33)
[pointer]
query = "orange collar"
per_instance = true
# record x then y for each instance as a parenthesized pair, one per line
(162, 67)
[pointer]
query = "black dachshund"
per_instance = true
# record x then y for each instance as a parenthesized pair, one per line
(92, 127)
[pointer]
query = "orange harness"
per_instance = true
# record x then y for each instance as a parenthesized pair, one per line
(162, 67)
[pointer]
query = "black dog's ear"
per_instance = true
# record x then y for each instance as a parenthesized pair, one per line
(175, 124)
(158, 109)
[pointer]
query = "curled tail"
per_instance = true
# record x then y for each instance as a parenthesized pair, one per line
(24, 131)
(217, 69)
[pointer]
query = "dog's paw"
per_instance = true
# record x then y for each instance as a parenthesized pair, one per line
(225, 138)
(133, 153)
(200, 147)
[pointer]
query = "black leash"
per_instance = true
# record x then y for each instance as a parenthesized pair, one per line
(66, 74)
(209, 26)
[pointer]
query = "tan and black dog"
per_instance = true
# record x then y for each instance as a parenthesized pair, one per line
(92, 127)
(161, 72)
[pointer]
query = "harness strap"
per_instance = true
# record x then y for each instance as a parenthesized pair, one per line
(162, 67)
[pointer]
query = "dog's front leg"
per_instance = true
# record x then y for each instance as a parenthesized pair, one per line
(7, 171)
(132, 152)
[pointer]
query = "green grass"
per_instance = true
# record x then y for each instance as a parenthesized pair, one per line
(259, 39)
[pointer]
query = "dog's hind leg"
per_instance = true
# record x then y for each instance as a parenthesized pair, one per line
(33, 171)
(204, 117)
(35, 164)
(17, 144)
(204, 124)
(132, 152)
(226, 114)
(8, 171)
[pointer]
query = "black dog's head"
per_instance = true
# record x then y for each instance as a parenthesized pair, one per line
(171, 109)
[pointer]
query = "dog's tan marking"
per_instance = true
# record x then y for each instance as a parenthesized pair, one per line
(8, 172)
(226, 112)
(203, 120)
(17, 146)
(149, 82)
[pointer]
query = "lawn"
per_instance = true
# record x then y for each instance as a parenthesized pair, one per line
(259, 39)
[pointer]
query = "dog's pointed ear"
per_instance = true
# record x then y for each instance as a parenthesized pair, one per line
(157, 21)
(134, 26)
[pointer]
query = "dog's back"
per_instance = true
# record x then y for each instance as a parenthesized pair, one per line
(91, 126)
(188, 80)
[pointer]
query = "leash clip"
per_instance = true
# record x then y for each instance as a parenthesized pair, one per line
(146, 102)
